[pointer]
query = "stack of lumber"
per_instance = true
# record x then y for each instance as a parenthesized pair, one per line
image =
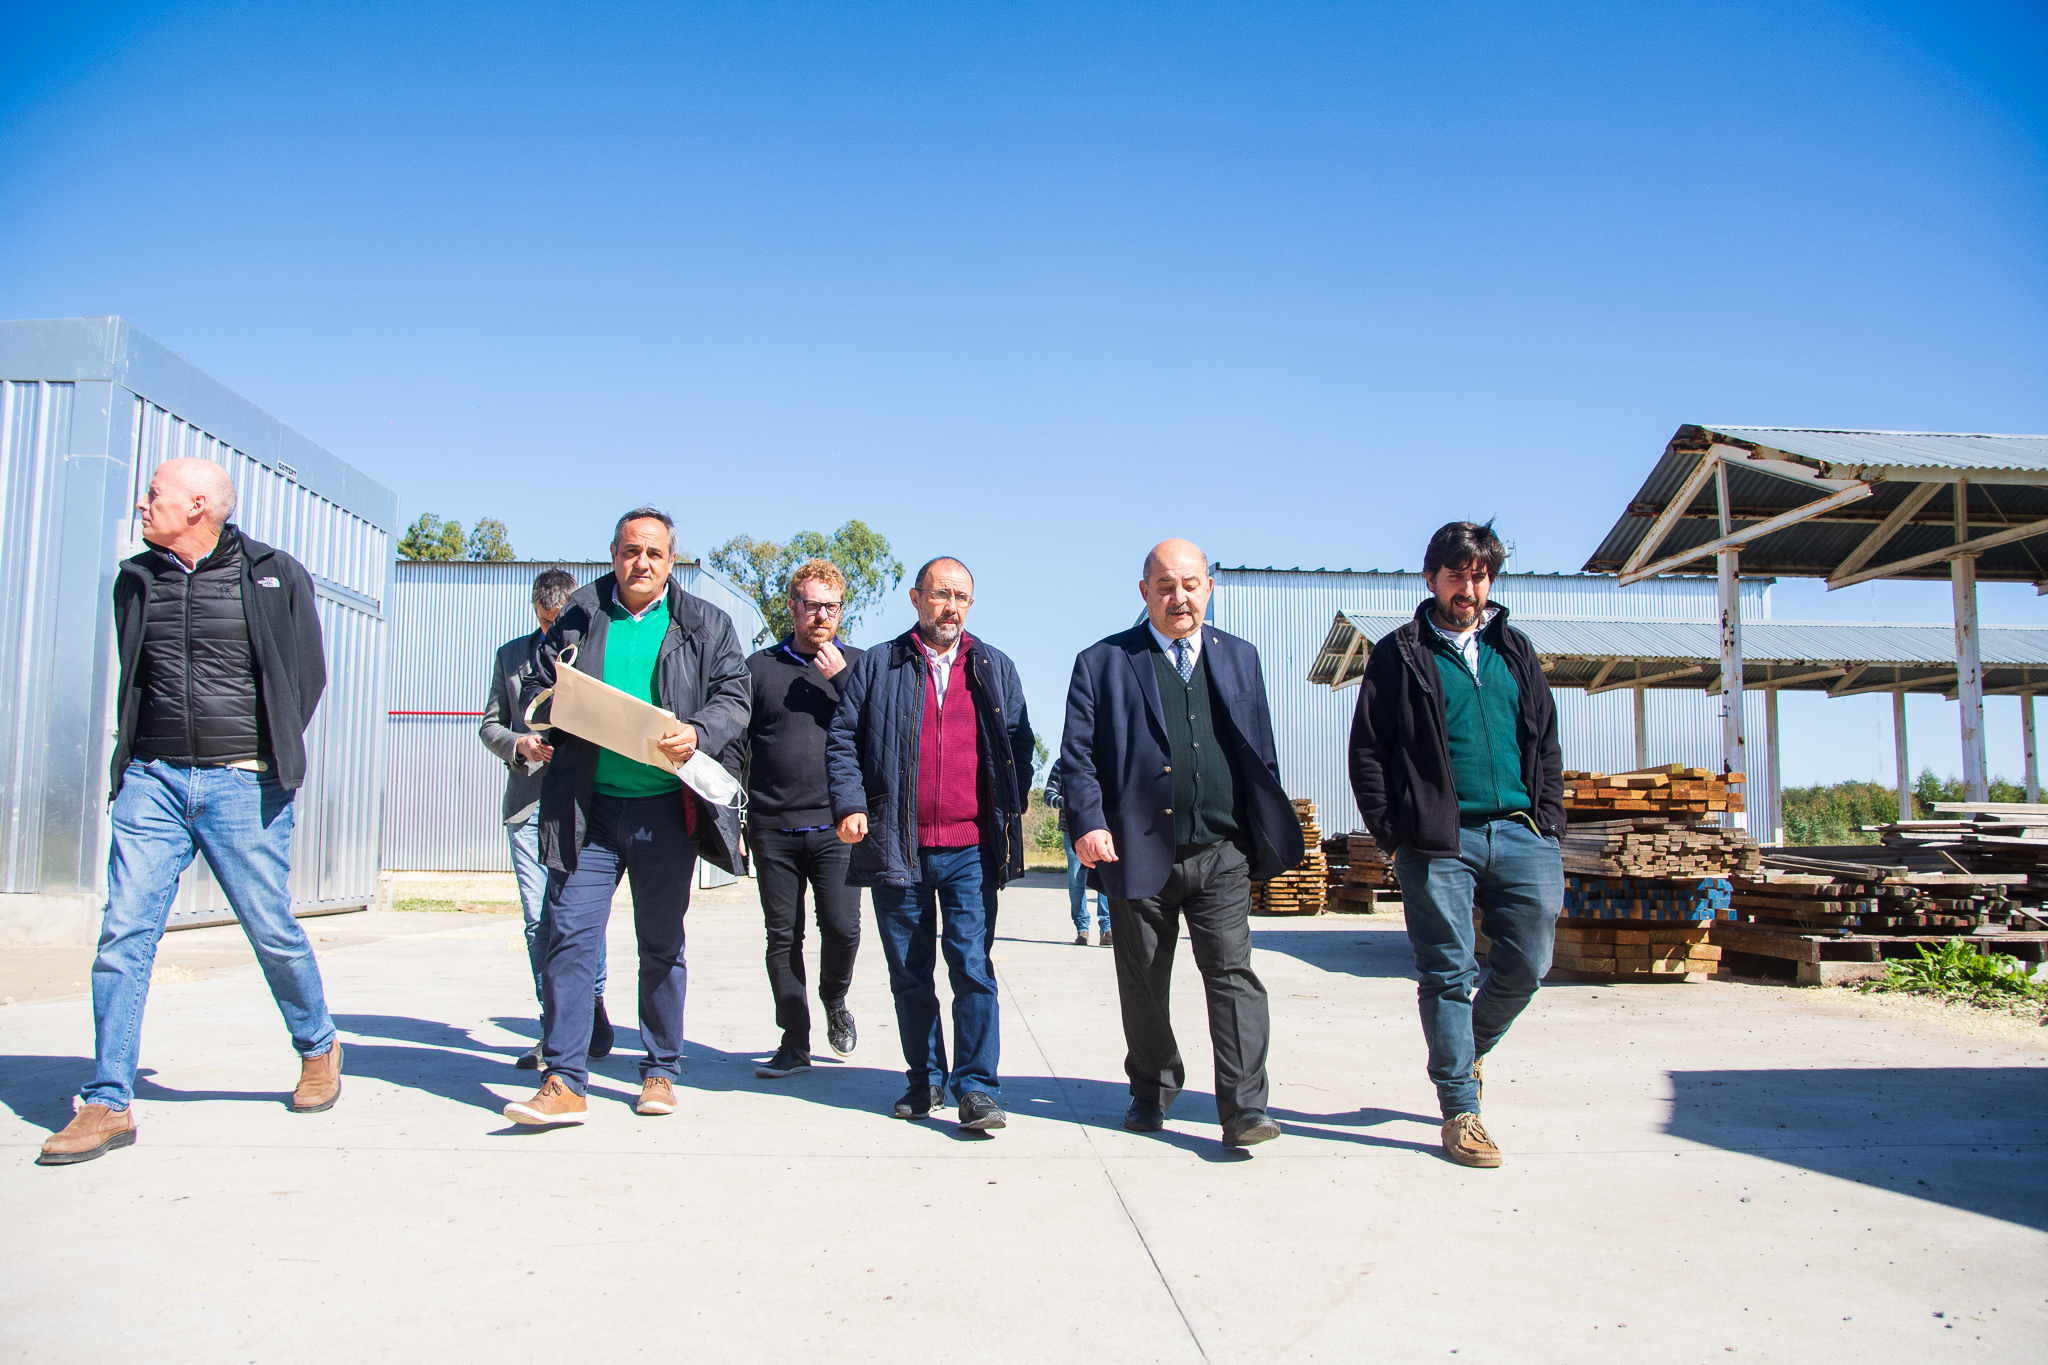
(1657, 846)
(1991, 836)
(1608, 952)
(1301, 890)
(1367, 883)
(1336, 863)
(1899, 902)
(1657, 899)
(1672, 790)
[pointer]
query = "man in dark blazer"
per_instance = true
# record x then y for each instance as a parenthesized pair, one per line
(1174, 795)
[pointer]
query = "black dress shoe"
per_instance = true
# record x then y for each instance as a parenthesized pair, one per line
(600, 1032)
(1145, 1116)
(529, 1060)
(919, 1101)
(979, 1112)
(839, 1029)
(1247, 1126)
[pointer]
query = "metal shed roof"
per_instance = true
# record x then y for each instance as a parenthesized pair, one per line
(1904, 481)
(1840, 658)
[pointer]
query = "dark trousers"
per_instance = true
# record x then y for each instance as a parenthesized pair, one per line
(951, 907)
(642, 838)
(785, 863)
(1210, 888)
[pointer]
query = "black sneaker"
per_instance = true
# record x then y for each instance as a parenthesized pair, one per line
(979, 1112)
(919, 1101)
(1105, 941)
(600, 1032)
(839, 1029)
(787, 1061)
(529, 1060)
(1081, 939)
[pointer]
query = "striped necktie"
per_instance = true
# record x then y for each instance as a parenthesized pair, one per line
(1183, 660)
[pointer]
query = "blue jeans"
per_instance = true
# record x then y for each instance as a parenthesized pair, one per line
(1077, 893)
(1514, 877)
(242, 822)
(952, 904)
(641, 838)
(532, 876)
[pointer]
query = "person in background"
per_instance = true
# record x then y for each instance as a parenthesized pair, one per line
(789, 817)
(1456, 767)
(221, 666)
(932, 740)
(1077, 874)
(525, 756)
(1173, 784)
(605, 817)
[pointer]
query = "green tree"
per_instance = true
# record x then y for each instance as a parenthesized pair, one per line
(762, 568)
(488, 540)
(432, 538)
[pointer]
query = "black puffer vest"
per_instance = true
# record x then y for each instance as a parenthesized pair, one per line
(199, 701)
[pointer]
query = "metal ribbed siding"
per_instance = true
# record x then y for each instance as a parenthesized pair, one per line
(442, 804)
(1287, 614)
(89, 410)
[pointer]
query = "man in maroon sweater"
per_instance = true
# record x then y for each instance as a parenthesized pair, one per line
(929, 765)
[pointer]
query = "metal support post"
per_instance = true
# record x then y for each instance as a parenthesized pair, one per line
(1642, 727)
(1733, 757)
(1905, 767)
(1767, 821)
(2027, 737)
(1969, 661)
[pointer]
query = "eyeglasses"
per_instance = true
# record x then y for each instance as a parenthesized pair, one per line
(941, 596)
(810, 608)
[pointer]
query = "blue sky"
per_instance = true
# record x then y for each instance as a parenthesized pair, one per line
(1039, 284)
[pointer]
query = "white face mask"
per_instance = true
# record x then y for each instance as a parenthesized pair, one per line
(707, 777)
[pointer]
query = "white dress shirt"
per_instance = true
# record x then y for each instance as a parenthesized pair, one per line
(942, 665)
(1167, 642)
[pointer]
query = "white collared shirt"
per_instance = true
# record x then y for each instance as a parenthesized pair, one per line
(1167, 642)
(942, 665)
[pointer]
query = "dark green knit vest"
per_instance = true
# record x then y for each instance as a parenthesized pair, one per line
(1483, 716)
(1204, 786)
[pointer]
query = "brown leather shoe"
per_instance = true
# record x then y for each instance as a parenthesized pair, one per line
(657, 1096)
(319, 1082)
(554, 1102)
(93, 1131)
(1466, 1142)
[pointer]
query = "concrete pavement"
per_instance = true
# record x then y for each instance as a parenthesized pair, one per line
(1693, 1173)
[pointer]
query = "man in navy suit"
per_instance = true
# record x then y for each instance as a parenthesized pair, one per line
(1176, 807)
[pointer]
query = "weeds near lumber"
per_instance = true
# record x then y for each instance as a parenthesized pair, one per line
(1958, 971)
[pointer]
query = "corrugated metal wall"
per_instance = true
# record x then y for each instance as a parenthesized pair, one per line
(443, 791)
(74, 456)
(1287, 613)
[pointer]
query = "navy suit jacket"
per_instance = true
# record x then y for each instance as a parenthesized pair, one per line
(1115, 760)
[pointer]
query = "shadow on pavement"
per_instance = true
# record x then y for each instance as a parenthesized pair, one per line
(38, 1090)
(1362, 951)
(1973, 1138)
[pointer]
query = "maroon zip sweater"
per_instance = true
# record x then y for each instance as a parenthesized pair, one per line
(949, 796)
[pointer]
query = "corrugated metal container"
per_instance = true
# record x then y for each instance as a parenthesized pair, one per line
(1286, 613)
(442, 804)
(88, 409)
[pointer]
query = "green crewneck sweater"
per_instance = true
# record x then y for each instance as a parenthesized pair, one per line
(1482, 715)
(631, 650)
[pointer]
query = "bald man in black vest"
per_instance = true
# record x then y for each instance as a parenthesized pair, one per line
(1174, 799)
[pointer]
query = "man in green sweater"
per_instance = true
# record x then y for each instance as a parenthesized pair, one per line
(1457, 771)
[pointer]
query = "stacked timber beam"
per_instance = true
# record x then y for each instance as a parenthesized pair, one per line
(1609, 952)
(1301, 890)
(1673, 789)
(1361, 878)
(1657, 846)
(1837, 913)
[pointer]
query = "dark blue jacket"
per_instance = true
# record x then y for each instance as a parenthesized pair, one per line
(1115, 760)
(871, 757)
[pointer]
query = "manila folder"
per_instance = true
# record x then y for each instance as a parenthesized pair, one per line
(591, 708)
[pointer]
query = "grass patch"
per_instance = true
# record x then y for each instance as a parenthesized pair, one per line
(416, 903)
(1958, 972)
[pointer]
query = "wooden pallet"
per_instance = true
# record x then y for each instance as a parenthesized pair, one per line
(1829, 959)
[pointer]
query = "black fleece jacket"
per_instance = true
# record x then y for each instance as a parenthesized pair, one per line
(1401, 748)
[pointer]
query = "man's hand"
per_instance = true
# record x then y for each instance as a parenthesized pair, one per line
(830, 661)
(853, 828)
(1095, 847)
(680, 745)
(534, 749)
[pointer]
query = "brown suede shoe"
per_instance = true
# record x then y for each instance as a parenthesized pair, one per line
(657, 1096)
(1466, 1142)
(93, 1131)
(555, 1102)
(319, 1082)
